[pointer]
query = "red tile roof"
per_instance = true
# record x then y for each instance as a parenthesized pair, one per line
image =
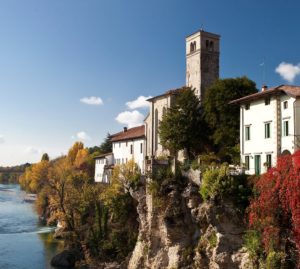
(101, 156)
(129, 134)
(293, 91)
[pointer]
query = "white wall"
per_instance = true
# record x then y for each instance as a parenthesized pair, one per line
(256, 117)
(158, 104)
(99, 168)
(122, 153)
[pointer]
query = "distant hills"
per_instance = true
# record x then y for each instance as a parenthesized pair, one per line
(11, 174)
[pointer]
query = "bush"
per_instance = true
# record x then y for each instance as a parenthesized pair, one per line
(274, 260)
(217, 182)
(253, 244)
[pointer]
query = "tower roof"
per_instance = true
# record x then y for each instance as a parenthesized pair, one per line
(201, 31)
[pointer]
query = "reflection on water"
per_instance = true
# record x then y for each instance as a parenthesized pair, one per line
(23, 244)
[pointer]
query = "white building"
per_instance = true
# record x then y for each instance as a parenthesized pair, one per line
(202, 69)
(130, 145)
(103, 167)
(269, 126)
(126, 145)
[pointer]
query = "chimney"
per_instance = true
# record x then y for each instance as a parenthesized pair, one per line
(264, 88)
(125, 129)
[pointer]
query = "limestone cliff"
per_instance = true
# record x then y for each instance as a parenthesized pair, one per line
(179, 230)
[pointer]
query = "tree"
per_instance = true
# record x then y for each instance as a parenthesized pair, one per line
(223, 118)
(45, 157)
(183, 127)
(105, 147)
(74, 150)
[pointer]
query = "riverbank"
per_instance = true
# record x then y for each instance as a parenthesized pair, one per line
(23, 242)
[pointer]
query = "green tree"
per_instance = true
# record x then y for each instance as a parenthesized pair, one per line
(183, 127)
(45, 157)
(223, 118)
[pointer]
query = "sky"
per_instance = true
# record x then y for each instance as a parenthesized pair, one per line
(75, 70)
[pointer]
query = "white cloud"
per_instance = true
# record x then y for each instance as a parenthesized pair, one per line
(93, 100)
(2, 140)
(82, 136)
(140, 102)
(288, 71)
(32, 150)
(130, 118)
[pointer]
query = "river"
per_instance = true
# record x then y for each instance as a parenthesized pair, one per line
(23, 243)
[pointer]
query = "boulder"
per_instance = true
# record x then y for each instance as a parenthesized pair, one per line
(66, 258)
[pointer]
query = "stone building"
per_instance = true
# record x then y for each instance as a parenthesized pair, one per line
(202, 69)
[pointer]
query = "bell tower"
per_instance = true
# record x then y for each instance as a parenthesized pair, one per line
(202, 60)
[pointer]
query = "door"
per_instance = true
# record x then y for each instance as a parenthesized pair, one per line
(257, 164)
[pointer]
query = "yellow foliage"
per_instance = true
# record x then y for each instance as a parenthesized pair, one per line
(81, 158)
(74, 150)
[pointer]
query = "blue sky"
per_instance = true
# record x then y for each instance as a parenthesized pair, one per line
(55, 53)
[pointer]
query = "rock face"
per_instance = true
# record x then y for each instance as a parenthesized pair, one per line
(179, 230)
(66, 258)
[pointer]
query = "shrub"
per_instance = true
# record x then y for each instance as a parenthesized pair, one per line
(253, 244)
(217, 182)
(213, 239)
(274, 260)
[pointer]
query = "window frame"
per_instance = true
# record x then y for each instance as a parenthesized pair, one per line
(269, 160)
(247, 162)
(267, 130)
(247, 133)
(285, 128)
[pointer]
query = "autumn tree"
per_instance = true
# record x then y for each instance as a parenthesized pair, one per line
(275, 213)
(223, 118)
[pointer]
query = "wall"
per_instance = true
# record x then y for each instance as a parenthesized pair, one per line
(122, 154)
(100, 163)
(256, 117)
(154, 148)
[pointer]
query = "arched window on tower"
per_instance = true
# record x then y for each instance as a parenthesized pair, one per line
(192, 46)
(211, 46)
(207, 44)
(156, 130)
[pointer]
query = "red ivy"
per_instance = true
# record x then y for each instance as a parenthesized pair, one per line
(275, 211)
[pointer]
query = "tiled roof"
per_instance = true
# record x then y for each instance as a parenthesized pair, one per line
(168, 92)
(101, 156)
(293, 91)
(128, 134)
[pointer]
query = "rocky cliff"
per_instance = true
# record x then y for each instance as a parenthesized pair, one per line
(179, 230)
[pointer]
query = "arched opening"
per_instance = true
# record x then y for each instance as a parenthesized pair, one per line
(164, 111)
(285, 153)
(211, 45)
(192, 46)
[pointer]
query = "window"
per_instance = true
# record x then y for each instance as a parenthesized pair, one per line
(285, 104)
(269, 160)
(247, 132)
(267, 130)
(131, 149)
(285, 128)
(247, 106)
(141, 147)
(126, 143)
(267, 101)
(192, 46)
(119, 144)
(247, 162)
